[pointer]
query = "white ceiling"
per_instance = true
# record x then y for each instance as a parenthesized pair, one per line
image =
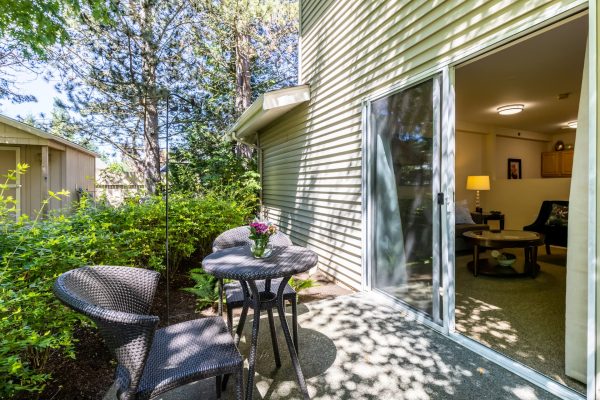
(532, 73)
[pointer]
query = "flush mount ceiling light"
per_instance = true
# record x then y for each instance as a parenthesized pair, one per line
(510, 109)
(572, 124)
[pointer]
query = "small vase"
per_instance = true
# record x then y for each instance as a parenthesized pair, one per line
(261, 248)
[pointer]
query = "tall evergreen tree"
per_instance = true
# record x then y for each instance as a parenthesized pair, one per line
(248, 47)
(118, 75)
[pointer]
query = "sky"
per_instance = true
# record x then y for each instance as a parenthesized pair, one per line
(30, 83)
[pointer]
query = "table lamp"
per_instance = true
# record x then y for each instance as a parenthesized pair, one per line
(478, 182)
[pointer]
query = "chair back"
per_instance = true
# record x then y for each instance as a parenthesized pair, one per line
(240, 237)
(118, 300)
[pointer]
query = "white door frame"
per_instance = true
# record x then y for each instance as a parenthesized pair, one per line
(368, 155)
(17, 184)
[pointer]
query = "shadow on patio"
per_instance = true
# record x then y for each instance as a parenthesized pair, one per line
(353, 347)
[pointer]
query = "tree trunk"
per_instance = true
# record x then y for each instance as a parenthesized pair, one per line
(150, 101)
(243, 91)
(151, 146)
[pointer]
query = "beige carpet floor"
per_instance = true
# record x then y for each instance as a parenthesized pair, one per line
(523, 318)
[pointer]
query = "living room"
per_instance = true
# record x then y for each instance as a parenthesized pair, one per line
(516, 120)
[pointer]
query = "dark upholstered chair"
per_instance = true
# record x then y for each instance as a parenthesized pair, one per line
(150, 361)
(555, 234)
(233, 291)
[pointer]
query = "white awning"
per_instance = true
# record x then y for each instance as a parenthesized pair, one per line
(268, 107)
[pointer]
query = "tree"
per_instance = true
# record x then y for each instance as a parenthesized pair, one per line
(27, 29)
(253, 43)
(118, 75)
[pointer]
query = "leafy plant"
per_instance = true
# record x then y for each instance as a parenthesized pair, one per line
(205, 288)
(301, 284)
(33, 253)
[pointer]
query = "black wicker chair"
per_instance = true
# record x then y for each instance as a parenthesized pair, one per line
(233, 291)
(150, 361)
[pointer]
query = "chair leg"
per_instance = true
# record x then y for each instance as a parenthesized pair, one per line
(238, 335)
(220, 305)
(295, 323)
(239, 384)
(230, 320)
(218, 379)
(548, 249)
(274, 338)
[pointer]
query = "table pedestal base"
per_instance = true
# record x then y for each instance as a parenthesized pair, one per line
(265, 302)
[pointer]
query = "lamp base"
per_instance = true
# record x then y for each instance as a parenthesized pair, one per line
(479, 210)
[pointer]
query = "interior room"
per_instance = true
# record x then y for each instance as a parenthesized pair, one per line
(511, 161)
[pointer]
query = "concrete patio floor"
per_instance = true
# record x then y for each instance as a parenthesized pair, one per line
(354, 347)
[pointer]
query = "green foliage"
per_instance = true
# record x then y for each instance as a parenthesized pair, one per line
(301, 284)
(38, 24)
(208, 163)
(205, 288)
(33, 253)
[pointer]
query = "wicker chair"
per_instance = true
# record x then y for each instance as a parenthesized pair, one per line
(150, 361)
(233, 291)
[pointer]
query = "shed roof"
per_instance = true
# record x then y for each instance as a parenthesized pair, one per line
(268, 107)
(44, 135)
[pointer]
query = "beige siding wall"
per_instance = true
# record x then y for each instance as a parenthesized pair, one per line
(350, 50)
(80, 171)
(68, 168)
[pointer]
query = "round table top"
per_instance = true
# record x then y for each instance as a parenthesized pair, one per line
(510, 237)
(238, 263)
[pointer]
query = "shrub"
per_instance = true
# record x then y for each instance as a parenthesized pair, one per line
(33, 324)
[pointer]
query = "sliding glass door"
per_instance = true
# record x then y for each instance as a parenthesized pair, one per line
(405, 231)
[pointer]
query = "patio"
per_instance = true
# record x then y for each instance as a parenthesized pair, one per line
(355, 347)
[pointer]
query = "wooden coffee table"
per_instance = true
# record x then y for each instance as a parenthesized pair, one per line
(529, 241)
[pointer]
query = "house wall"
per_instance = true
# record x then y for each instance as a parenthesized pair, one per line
(352, 49)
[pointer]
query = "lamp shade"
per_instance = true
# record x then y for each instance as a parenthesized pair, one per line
(478, 182)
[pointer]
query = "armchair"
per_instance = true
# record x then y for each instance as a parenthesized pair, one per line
(150, 361)
(554, 233)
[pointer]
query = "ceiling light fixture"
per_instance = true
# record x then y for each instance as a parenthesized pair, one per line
(572, 124)
(510, 109)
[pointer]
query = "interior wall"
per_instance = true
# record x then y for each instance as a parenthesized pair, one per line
(528, 151)
(469, 161)
(520, 199)
(567, 137)
(484, 150)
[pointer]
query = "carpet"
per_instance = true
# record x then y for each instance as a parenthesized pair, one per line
(522, 318)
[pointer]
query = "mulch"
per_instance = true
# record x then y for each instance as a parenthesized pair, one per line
(90, 374)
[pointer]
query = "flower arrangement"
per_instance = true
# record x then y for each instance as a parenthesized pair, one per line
(260, 232)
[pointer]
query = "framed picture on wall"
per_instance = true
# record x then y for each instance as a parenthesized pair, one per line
(514, 168)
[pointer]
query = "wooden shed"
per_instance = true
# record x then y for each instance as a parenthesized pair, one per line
(54, 164)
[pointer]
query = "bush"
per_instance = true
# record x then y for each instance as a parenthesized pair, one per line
(33, 324)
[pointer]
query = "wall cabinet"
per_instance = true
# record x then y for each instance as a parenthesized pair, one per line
(557, 164)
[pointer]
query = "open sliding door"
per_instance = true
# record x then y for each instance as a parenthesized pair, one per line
(405, 202)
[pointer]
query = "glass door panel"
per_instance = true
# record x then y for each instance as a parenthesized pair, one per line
(405, 128)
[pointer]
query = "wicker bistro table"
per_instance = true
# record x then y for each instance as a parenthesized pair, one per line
(239, 264)
(529, 241)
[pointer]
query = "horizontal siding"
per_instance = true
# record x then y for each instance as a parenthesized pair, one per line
(352, 49)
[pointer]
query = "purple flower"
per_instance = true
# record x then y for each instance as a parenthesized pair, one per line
(261, 229)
